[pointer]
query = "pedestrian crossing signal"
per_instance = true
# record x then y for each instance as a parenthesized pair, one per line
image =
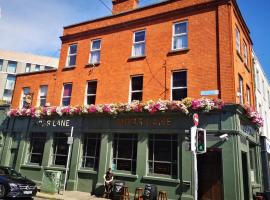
(201, 141)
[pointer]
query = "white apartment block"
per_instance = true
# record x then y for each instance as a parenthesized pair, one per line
(12, 63)
(262, 89)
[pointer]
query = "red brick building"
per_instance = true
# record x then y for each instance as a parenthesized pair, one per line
(168, 50)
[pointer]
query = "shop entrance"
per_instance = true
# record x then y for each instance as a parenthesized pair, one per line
(210, 181)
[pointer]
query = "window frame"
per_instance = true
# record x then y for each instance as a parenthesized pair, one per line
(86, 91)
(135, 91)
(37, 68)
(178, 88)
(134, 150)
(241, 89)
(23, 95)
(63, 90)
(173, 176)
(140, 42)
(238, 40)
(248, 95)
(28, 65)
(30, 149)
(42, 97)
(245, 54)
(73, 54)
(94, 50)
(10, 61)
(179, 35)
(1, 64)
(54, 153)
(85, 139)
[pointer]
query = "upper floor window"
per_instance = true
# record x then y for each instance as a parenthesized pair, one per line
(238, 41)
(240, 90)
(179, 85)
(91, 92)
(248, 94)
(47, 68)
(180, 36)
(43, 90)
(1, 64)
(10, 82)
(136, 92)
(37, 68)
(138, 48)
(66, 97)
(12, 66)
(72, 54)
(28, 67)
(95, 51)
(25, 92)
(258, 80)
(245, 52)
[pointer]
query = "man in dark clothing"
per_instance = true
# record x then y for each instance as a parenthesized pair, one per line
(108, 182)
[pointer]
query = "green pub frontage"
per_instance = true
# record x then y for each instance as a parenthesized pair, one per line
(141, 148)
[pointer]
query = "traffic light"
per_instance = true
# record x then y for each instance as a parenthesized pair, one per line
(201, 141)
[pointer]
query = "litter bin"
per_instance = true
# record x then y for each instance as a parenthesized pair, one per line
(51, 181)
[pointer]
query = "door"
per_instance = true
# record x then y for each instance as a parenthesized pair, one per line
(210, 181)
(245, 176)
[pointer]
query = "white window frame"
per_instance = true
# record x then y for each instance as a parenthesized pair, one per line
(69, 83)
(39, 93)
(238, 40)
(23, 96)
(130, 87)
(37, 68)
(245, 52)
(140, 42)
(241, 85)
(180, 34)
(86, 94)
(248, 93)
(73, 54)
(26, 67)
(95, 50)
(173, 88)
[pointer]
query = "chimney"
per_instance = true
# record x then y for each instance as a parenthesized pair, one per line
(120, 6)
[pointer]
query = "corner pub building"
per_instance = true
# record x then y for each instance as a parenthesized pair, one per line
(169, 50)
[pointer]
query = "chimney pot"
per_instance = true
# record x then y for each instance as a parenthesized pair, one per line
(120, 6)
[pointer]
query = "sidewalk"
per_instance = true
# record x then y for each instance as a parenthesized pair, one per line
(68, 195)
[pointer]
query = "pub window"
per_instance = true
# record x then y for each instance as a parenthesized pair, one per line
(252, 160)
(125, 152)
(25, 92)
(91, 149)
(36, 148)
(136, 92)
(43, 90)
(66, 97)
(60, 149)
(91, 92)
(72, 54)
(95, 51)
(162, 154)
(179, 85)
(180, 36)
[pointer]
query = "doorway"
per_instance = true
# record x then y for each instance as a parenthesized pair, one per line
(210, 179)
(245, 175)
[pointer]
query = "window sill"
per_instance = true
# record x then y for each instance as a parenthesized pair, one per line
(31, 166)
(92, 64)
(132, 58)
(239, 55)
(55, 168)
(69, 67)
(125, 175)
(161, 179)
(178, 51)
(87, 171)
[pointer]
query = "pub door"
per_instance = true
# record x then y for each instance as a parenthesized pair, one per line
(210, 180)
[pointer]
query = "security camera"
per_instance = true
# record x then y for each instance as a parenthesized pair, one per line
(224, 136)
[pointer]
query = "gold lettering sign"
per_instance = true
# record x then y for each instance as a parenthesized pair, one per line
(145, 122)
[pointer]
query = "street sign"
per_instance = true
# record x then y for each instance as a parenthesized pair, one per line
(196, 119)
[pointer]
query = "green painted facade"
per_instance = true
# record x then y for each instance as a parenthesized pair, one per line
(231, 120)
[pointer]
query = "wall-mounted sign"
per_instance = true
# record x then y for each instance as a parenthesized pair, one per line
(144, 122)
(209, 92)
(53, 123)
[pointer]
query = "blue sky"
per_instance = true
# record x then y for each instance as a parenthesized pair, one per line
(35, 25)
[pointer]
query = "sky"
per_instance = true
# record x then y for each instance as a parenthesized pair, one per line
(35, 26)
